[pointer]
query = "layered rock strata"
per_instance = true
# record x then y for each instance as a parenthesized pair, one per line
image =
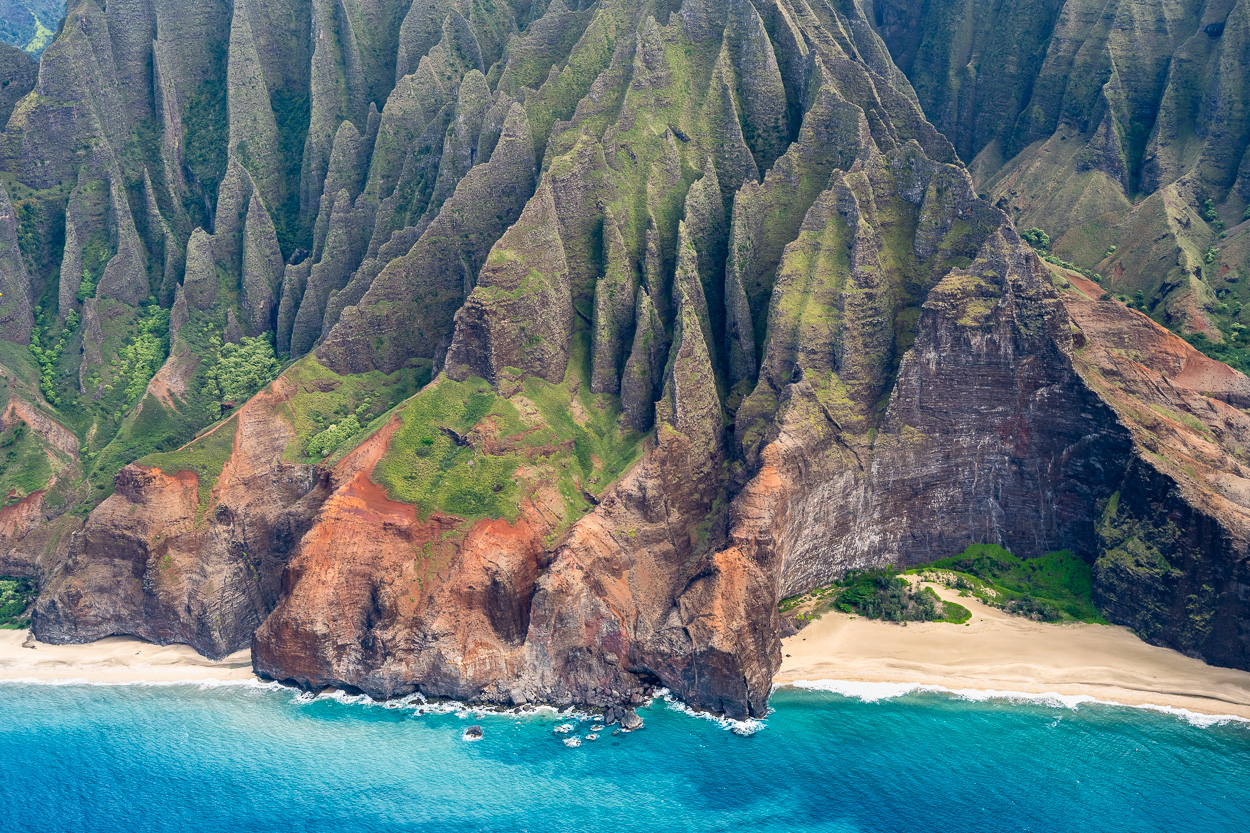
(610, 328)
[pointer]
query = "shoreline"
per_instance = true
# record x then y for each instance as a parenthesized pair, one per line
(996, 655)
(993, 656)
(116, 660)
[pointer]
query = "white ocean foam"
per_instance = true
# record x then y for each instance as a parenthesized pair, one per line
(419, 705)
(869, 692)
(738, 727)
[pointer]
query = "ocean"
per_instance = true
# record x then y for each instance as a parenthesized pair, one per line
(862, 758)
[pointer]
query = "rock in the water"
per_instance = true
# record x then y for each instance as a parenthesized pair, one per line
(473, 733)
(631, 720)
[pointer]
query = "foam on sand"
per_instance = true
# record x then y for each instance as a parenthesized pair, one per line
(869, 692)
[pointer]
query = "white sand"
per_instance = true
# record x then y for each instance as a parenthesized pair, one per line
(995, 651)
(114, 660)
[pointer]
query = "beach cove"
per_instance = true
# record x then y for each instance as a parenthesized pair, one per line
(994, 655)
(995, 652)
(117, 660)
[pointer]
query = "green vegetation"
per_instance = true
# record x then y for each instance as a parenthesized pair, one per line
(1055, 587)
(431, 465)
(151, 427)
(48, 350)
(292, 112)
(205, 457)
(205, 131)
(24, 464)
(144, 353)
(328, 440)
(878, 594)
(1229, 352)
(228, 373)
(243, 369)
(883, 594)
(337, 408)
(464, 450)
(42, 37)
(16, 596)
(1036, 238)
(96, 254)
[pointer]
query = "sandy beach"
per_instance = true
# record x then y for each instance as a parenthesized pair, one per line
(115, 660)
(995, 651)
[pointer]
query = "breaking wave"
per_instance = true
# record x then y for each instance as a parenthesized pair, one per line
(869, 692)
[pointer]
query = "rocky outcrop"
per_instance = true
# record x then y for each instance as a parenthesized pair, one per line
(1173, 538)
(16, 319)
(194, 557)
(520, 314)
(20, 71)
(609, 331)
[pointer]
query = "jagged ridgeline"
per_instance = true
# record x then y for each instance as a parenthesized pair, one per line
(1120, 128)
(608, 325)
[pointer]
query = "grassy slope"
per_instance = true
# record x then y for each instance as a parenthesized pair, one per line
(324, 400)
(205, 457)
(541, 436)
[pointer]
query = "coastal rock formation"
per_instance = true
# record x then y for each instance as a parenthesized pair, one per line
(178, 557)
(1174, 536)
(607, 328)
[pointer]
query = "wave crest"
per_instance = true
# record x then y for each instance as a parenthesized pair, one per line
(869, 692)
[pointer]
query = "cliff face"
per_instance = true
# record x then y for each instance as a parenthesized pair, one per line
(1121, 129)
(609, 328)
(1173, 539)
(179, 558)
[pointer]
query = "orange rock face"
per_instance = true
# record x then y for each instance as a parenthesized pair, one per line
(381, 600)
(1042, 420)
(154, 562)
(371, 577)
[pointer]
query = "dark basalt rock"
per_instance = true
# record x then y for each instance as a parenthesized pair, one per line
(719, 314)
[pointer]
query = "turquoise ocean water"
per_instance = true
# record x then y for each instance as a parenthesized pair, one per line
(239, 758)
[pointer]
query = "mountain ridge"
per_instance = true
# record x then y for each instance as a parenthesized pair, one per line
(607, 327)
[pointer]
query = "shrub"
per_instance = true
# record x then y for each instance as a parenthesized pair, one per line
(16, 595)
(883, 594)
(244, 368)
(323, 443)
(1036, 238)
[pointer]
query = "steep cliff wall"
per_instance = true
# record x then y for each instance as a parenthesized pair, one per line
(608, 326)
